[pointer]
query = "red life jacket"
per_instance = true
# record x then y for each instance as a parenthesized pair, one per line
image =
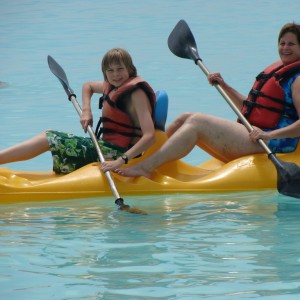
(117, 127)
(266, 100)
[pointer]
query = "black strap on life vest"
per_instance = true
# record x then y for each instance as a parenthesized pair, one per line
(257, 93)
(265, 76)
(107, 99)
(100, 130)
(251, 105)
(262, 78)
(287, 74)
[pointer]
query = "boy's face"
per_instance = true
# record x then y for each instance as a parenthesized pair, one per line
(117, 74)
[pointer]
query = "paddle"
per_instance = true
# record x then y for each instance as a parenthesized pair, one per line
(181, 42)
(57, 70)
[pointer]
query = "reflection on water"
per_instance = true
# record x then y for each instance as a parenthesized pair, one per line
(205, 245)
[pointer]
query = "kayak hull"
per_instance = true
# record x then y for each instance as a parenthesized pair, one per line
(249, 173)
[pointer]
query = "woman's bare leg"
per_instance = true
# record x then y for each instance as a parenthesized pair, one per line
(178, 145)
(25, 150)
(177, 123)
(223, 139)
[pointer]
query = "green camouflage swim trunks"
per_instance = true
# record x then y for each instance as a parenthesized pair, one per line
(70, 152)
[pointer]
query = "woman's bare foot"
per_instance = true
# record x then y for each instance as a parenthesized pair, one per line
(134, 171)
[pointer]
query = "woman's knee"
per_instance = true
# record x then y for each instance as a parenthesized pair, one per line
(182, 118)
(186, 115)
(196, 118)
(177, 123)
(200, 123)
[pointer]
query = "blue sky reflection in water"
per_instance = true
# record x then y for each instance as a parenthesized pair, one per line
(235, 246)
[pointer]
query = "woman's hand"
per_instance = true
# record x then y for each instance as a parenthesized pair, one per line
(214, 78)
(257, 134)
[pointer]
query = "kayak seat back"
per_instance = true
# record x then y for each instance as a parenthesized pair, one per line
(161, 110)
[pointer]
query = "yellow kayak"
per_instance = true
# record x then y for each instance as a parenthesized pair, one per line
(253, 172)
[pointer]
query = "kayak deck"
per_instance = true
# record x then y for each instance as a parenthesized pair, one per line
(253, 172)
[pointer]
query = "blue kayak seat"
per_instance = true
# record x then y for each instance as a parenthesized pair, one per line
(161, 110)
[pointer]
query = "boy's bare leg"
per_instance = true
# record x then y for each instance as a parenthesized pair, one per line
(25, 150)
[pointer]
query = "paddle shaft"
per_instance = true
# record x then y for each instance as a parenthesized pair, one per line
(95, 142)
(233, 106)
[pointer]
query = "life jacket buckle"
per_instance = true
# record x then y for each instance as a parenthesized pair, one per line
(255, 92)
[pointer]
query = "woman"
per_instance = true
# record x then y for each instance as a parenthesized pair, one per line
(227, 140)
(126, 126)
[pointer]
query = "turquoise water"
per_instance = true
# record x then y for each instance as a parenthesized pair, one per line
(235, 246)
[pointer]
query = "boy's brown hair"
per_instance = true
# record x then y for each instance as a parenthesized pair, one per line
(117, 56)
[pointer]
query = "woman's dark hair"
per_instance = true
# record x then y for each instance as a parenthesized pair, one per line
(290, 27)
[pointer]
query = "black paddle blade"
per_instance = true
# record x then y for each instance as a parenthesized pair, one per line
(58, 71)
(288, 178)
(181, 42)
(125, 207)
